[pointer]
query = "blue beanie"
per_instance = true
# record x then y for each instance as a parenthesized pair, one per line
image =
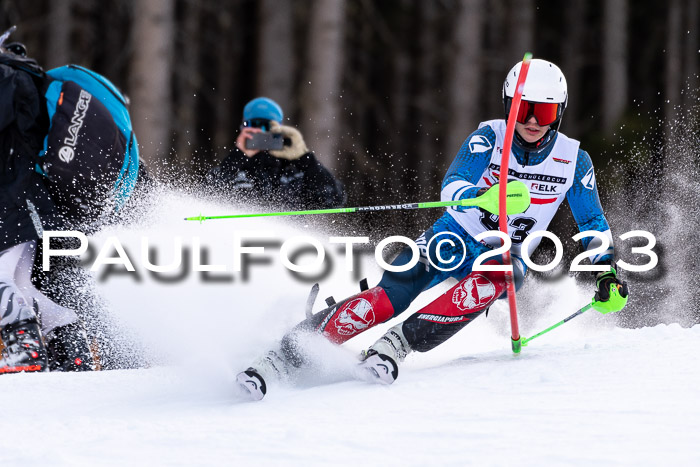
(263, 107)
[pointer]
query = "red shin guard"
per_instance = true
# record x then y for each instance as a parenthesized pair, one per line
(471, 295)
(356, 314)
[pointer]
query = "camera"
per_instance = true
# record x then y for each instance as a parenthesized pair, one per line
(265, 141)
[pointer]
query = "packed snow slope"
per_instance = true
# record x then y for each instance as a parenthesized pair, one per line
(607, 397)
(587, 393)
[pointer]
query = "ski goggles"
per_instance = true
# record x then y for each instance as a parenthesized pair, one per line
(262, 123)
(545, 113)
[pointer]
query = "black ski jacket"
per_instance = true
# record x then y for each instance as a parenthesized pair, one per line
(24, 201)
(264, 179)
(29, 201)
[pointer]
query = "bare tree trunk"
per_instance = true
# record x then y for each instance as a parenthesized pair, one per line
(188, 83)
(573, 61)
(464, 81)
(672, 68)
(614, 63)
(497, 57)
(59, 30)
(150, 79)
(400, 103)
(690, 59)
(228, 58)
(511, 33)
(275, 72)
(321, 88)
(522, 26)
(117, 15)
(429, 108)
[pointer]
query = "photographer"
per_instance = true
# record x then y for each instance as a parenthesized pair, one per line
(272, 164)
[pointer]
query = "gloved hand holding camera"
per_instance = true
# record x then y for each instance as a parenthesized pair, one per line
(294, 146)
(281, 141)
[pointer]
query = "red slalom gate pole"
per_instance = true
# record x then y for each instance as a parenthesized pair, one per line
(502, 216)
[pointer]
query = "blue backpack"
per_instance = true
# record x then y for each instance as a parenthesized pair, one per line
(90, 154)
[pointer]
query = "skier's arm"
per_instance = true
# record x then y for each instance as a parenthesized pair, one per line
(585, 206)
(611, 294)
(469, 164)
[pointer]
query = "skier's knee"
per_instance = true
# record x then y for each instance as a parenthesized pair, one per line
(403, 287)
(519, 272)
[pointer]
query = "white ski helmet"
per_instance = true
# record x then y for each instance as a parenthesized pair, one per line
(544, 96)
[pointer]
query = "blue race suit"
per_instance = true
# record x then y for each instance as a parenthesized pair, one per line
(469, 166)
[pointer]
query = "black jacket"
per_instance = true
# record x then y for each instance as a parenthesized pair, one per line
(24, 201)
(77, 191)
(264, 179)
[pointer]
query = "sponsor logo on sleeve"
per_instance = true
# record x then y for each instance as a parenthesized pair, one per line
(588, 180)
(479, 143)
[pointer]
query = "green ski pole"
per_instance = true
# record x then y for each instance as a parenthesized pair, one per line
(525, 340)
(517, 193)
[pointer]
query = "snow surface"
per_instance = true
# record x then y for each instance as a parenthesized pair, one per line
(585, 394)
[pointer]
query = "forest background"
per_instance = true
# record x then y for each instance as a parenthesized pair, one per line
(386, 91)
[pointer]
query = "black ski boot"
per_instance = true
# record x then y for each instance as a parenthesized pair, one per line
(24, 345)
(68, 349)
